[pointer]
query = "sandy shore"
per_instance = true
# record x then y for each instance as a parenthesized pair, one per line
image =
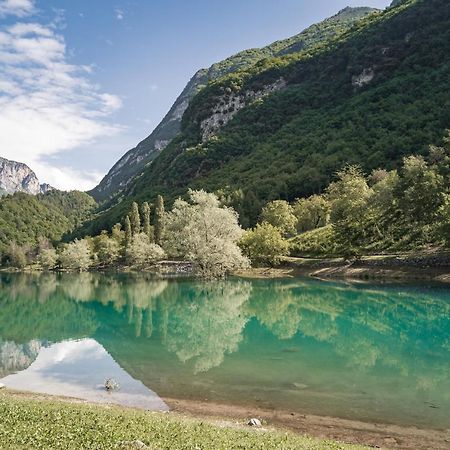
(379, 268)
(349, 431)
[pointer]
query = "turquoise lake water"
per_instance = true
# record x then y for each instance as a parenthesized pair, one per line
(370, 352)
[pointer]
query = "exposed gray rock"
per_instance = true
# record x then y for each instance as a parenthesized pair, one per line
(18, 177)
(228, 106)
(365, 77)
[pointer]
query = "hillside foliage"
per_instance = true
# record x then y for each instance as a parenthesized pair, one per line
(25, 219)
(289, 144)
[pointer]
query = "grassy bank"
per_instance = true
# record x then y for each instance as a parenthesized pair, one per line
(37, 422)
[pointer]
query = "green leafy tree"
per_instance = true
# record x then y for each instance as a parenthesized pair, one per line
(118, 234)
(17, 255)
(76, 255)
(349, 197)
(420, 191)
(280, 214)
(135, 219)
(311, 213)
(48, 258)
(159, 219)
(106, 248)
(206, 233)
(264, 244)
(142, 252)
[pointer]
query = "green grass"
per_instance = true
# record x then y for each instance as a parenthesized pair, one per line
(30, 423)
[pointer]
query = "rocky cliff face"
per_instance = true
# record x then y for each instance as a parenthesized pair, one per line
(136, 159)
(18, 177)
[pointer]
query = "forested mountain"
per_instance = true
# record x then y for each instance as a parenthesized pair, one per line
(281, 128)
(24, 218)
(18, 177)
(135, 160)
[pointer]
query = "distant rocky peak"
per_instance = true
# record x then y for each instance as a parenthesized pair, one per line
(18, 177)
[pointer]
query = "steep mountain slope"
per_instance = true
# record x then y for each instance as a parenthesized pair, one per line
(24, 218)
(136, 159)
(283, 127)
(18, 177)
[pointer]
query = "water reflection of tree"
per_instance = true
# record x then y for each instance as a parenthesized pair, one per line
(390, 327)
(32, 307)
(208, 322)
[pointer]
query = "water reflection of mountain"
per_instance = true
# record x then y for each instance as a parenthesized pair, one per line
(154, 327)
(16, 357)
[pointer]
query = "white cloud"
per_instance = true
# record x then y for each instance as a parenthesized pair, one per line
(19, 8)
(47, 104)
(119, 14)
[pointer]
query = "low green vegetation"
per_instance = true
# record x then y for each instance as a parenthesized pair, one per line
(28, 424)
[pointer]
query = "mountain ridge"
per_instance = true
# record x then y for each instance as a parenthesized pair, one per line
(370, 97)
(135, 160)
(18, 177)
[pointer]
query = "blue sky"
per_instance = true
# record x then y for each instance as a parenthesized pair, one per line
(83, 81)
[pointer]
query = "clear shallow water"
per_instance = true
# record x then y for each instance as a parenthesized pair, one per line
(367, 352)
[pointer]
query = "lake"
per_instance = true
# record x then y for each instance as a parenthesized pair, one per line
(370, 352)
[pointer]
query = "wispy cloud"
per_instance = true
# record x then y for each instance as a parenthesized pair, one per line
(119, 14)
(19, 8)
(47, 104)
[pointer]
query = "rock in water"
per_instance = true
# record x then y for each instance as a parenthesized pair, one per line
(254, 423)
(111, 384)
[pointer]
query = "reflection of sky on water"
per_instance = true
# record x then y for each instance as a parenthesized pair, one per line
(79, 369)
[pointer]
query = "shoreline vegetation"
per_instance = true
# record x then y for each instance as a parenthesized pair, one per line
(389, 224)
(380, 268)
(191, 424)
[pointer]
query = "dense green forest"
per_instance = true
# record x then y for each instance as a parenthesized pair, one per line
(370, 97)
(25, 219)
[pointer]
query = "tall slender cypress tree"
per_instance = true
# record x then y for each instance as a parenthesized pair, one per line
(128, 232)
(146, 227)
(159, 219)
(135, 219)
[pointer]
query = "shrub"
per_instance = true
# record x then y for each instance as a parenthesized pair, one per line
(264, 244)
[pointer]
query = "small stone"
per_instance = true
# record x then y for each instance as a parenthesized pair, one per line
(111, 384)
(254, 423)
